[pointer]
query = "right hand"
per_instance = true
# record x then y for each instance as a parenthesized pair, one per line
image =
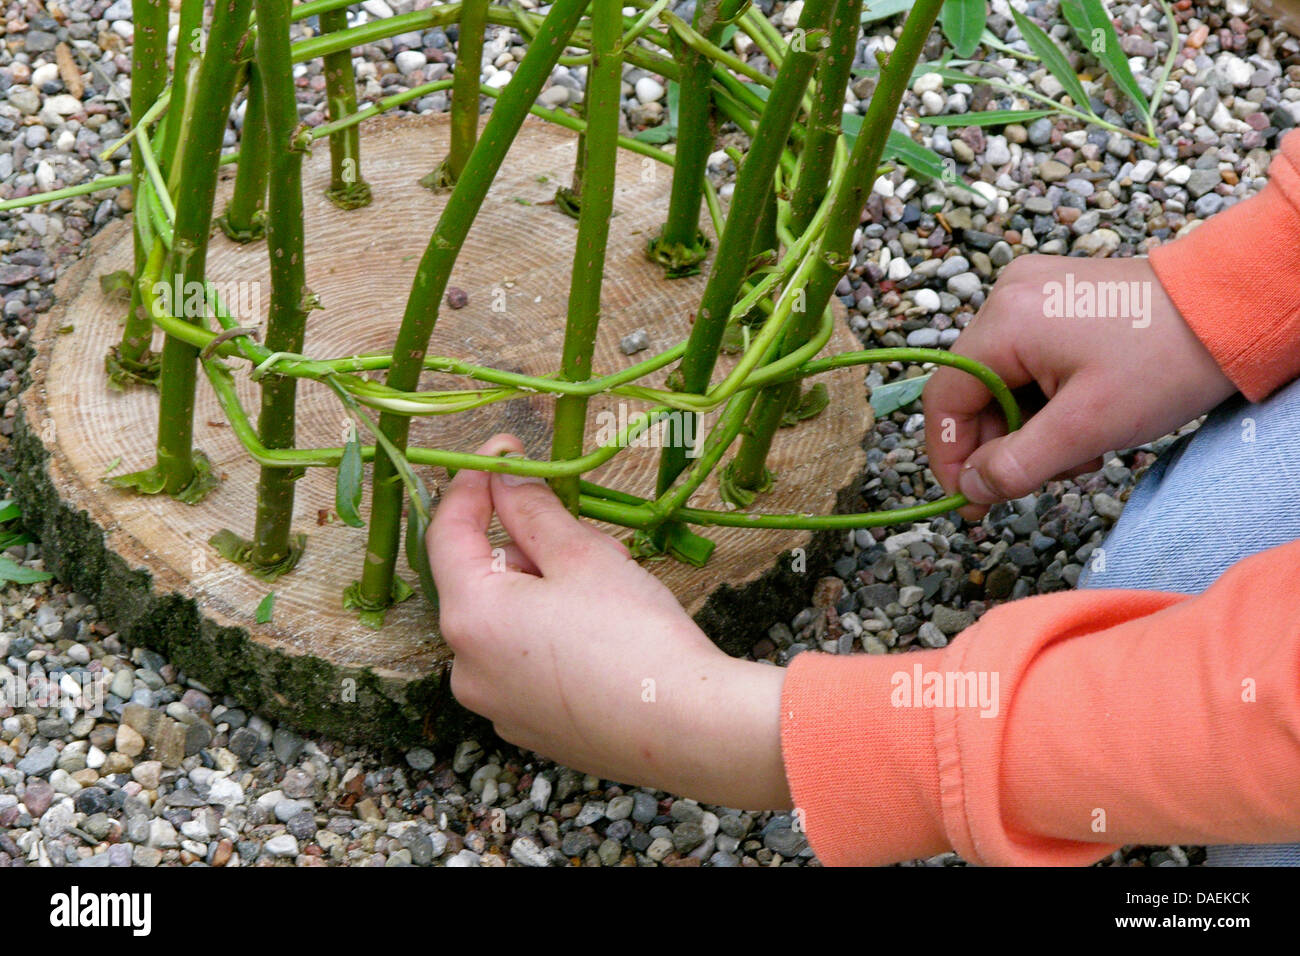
(1110, 382)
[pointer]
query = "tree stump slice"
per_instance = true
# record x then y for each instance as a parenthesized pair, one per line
(146, 560)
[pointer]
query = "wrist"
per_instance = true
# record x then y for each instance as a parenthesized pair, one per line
(728, 740)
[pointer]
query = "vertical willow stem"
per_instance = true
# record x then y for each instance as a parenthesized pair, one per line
(245, 217)
(464, 89)
(824, 124)
(148, 77)
(604, 87)
(189, 43)
(212, 94)
(347, 189)
(680, 246)
(753, 186)
(435, 271)
(290, 301)
(748, 470)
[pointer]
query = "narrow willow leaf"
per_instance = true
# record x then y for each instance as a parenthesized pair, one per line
(988, 118)
(963, 24)
(889, 398)
(347, 492)
(873, 11)
(11, 572)
(1047, 51)
(921, 160)
(417, 554)
(265, 609)
(1093, 26)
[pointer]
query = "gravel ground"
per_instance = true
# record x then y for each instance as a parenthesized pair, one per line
(170, 774)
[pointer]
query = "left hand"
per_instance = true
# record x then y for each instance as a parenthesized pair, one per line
(575, 651)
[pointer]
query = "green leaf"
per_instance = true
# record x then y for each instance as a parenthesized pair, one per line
(1047, 51)
(921, 160)
(873, 11)
(11, 572)
(9, 511)
(417, 554)
(265, 609)
(347, 492)
(656, 135)
(674, 102)
(685, 545)
(988, 118)
(728, 32)
(10, 538)
(963, 24)
(889, 398)
(810, 404)
(1093, 26)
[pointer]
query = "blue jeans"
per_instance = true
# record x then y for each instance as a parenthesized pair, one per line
(1217, 496)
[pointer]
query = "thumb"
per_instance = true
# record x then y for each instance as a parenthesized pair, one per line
(1069, 431)
(541, 527)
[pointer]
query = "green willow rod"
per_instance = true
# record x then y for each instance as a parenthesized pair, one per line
(210, 107)
(824, 123)
(748, 470)
(604, 87)
(348, 189)
(464, 95)
(681, 246)
(753, 183)
(274, 547)
(433, 275)
(190, 42)
(148, 80)
(244, 220)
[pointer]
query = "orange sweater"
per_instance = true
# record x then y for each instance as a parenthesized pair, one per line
(1121, 715)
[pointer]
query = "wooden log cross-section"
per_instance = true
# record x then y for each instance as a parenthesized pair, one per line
(146, 561)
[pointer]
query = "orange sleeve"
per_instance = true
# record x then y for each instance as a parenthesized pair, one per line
(1234, 280)
(1105, 718)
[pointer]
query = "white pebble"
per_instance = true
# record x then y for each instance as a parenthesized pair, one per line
(790, 15)
(649, 90)
(408, 61)
(927, 299)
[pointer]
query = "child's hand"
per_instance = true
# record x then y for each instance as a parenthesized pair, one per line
(573, 650)
(1113, 378)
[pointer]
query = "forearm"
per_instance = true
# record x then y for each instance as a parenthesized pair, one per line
(1121, 717)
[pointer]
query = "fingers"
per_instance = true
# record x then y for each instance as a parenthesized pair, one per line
(1062, 437)
(459, 551)
(543, 529)
(956, 403)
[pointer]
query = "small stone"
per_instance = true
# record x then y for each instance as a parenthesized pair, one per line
(457, 298)
(420, 759)
(634, 342)
(284, 845)
(649, 90)
(147, 774)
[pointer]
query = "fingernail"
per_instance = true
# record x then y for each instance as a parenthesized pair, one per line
(513, 481)
(973, 487)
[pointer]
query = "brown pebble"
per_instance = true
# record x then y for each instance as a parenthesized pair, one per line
(457, 298)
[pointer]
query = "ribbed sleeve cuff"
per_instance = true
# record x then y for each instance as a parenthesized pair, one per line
(1234, 281)
(863, 773)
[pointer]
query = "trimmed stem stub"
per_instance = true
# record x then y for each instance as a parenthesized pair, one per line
(372, 614)
(680, 261)
(240, 551)
(153, 480)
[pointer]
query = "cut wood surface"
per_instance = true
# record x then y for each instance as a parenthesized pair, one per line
(515, 270)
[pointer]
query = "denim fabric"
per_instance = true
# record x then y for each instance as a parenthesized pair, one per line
(1217, 496)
